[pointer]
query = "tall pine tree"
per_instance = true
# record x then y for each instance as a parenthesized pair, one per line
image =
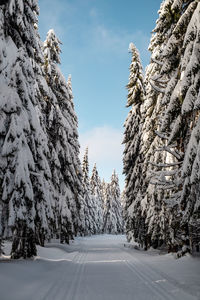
(95, 186)
(62, 131)
(112, 215)
(23, 146)
(132, 139)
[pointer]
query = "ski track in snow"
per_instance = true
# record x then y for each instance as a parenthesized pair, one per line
(96, 268)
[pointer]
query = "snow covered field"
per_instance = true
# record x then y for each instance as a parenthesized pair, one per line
(100, 268)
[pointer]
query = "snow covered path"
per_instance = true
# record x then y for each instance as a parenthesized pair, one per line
(100, 268)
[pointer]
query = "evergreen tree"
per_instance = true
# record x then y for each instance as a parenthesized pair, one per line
(95, 185)
(112, 217)
(153, 206)
(40, 174)
(89, 207)
(169, 141)
(132, 139)
(180, 123)
(62, 131)
(107, 221)
(1, 229)
(172, 130)
(23, 146)
(116, 203)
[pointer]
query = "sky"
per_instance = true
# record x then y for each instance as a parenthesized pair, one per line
(95, 36)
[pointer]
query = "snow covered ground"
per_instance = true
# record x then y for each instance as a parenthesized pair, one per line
(99, 268)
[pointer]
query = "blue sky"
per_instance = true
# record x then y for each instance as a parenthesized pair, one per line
(95, 36)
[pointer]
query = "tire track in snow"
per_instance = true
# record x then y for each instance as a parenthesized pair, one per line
(72, 293)
(155, 289)
(169, 290)
(58, 288)
(174, 283)
(134, 266)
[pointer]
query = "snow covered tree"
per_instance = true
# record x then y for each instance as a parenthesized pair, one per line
(153, 206)
(180, 123)
(177, 94)
(1, 227)
(95, 186)
(132, 159)
(112, 217)
(23, 145)
(40, 173)
(88, 199)
(107, 221)
(116, 203)
(62, 131)
(169, 141)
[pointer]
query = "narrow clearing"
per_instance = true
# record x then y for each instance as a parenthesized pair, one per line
(100, 268)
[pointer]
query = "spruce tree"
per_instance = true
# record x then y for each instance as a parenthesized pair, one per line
(107, 218)
(116, 203)
(1, 228)
(153, 206)
(132, 159)
(170, 138)
(173, 132)
(95, 185)
(62, 131)
(23, 146)
(40, 174)
(112, 216)
(88, 199)
(180, 123)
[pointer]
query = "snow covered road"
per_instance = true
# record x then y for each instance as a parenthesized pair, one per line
(100, 268)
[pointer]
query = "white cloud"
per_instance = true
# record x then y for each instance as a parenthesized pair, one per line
(118, 40)
(52, 14)
(96, 37)
(105, 149)
(104, 144)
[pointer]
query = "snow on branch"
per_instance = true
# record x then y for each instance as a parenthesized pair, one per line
(171, 202)
(162, 136)
(156, 88)
(159, 80)
(173, 198)
(157, 61)
(176, 154)
(166, 165)
(162, 185)
(165, 173)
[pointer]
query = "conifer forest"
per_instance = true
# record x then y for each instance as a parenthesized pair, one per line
(57, 213)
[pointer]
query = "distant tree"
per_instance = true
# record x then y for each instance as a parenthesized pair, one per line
(107, 221)
(89, 206)
(112, 216)
(95, 186)
(116, 203)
